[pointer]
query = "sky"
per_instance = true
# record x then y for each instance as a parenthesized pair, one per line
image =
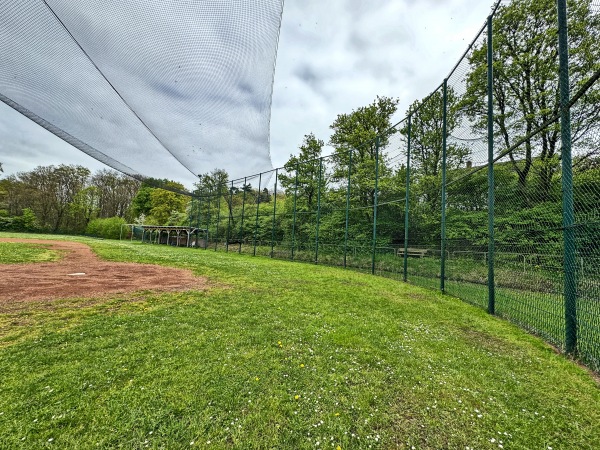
(333, 57)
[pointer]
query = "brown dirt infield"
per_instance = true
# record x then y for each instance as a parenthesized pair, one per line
(52, 280)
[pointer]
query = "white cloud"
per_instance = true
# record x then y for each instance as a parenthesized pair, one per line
(25, 145)
(354, 51)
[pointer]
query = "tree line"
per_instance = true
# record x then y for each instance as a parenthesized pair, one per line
(313, 194)
(64, 198)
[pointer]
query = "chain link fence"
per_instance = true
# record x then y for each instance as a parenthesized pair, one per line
(488, 190)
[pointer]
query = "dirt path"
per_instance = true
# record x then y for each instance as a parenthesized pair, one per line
(80, 273)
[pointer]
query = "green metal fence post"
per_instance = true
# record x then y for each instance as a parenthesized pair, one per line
(443, 240)
(490, 126)
(274, 213)
(198, 221)
(318, 211)
(407, 201)
(207, 222)
(375, 205)
(241, 234)
(347, 208)
(218, 215)
(229, 217)
(294, 220)
(257, 206)
(191, 221)
(570, 284)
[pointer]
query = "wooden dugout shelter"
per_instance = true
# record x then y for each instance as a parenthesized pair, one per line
(179, 236)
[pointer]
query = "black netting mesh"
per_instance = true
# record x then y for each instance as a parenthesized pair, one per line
(165, 89)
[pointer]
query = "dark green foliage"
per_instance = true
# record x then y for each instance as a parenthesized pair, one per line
(159, 206)
(141, 203)
(27, 222)
(300, 181)
(358, 137)
(426, 138)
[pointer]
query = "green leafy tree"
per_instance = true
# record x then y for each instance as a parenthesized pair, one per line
(84, 207)
(265, 196)
(107, 228)
(115, 193)
(165, 203)
(141, 204)
(427, 134)
(14, 194)
(66, 198)
(213, 182)
(212, 202)
(179, 218)
(304, 169)
(51, 190)
(26, 222)
(158, 204)
(358, 129)
(301, 178)
(357, 132)
(525, 51)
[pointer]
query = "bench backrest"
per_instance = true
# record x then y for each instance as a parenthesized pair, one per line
(412, 251)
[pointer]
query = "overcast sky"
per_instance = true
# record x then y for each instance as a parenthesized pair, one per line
(334, 56)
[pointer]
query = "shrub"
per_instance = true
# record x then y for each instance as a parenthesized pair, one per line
(26, 222)
(109, 228)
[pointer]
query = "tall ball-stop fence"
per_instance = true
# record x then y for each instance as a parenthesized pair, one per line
(488, 189)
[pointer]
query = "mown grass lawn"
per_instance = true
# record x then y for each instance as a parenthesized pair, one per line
(282, 355)
(14, 253)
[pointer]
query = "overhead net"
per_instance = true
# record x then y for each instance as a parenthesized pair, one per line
(152, 88)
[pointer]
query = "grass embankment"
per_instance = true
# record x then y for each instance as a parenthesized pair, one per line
(282, 355)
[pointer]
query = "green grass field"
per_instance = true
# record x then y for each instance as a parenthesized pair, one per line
(13, 253)
(527, 294)
(281, 355)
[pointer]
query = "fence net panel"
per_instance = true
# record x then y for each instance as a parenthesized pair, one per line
(585, 130)
(424, 269)
(466, 249)
(145, 85)
(389, 243)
